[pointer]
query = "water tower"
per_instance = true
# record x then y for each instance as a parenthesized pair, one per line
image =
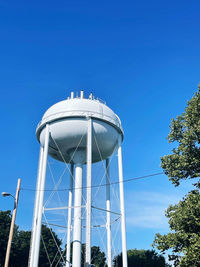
(68, 132)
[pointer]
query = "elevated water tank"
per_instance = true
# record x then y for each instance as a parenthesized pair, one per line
(68, 129)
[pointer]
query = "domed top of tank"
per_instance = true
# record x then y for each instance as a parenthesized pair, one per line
(80, 107)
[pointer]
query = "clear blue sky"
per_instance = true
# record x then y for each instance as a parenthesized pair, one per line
(141, 57)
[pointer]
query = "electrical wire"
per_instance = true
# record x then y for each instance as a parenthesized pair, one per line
(113, 183)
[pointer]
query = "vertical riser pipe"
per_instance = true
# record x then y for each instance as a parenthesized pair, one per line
(69, 217)
(76, 260)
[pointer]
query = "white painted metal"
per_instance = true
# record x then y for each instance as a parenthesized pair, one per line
(108, 226)
(81, 107)
(69, 126)
(61, 208)
(73, 122)
(76, 259)
(69, 222)
(122, 206)
(35, 256)
(88, 203)
(32, 245)
(69, 133)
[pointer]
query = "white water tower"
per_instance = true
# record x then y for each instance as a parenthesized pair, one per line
(69, 132)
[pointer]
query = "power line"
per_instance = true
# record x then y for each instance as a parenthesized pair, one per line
(113, 183)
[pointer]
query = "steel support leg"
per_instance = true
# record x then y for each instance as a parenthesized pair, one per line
(34, 259)
(88, 203)
(122, 208)
(32, 245)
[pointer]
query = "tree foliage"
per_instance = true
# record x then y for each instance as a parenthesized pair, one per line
(98, 258)
(141, 258)
(183, 243)
(49, 249)
(21, 243)
(5, 220)
(184, 162)
(49, 245)
(4, 231)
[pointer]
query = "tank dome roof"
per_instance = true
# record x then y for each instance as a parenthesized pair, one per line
(80, 107)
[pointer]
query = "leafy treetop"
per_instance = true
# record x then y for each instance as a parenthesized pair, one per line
(185, 130)
(184, 240)
(141, 258)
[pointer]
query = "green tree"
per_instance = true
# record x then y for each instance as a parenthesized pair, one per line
(184, 162)
(141, 258)
(183, 242)
(97, 256)
(5, 220)
(49, 245)
(184, 221)
(4, 232)
(21, 243)
(49, 249)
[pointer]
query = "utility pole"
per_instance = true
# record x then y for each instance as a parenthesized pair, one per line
(12, 222)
